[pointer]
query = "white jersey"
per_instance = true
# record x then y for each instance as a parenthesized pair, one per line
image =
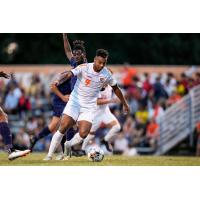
(88, 85)
(105, 94)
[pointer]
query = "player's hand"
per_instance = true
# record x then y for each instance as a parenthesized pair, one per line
(53, 86)
(65, 35)
(4, 75)
(126, 109)
(56, 83)
(65, 98)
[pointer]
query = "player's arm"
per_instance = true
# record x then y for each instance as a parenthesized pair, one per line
(119, 94)
(55, 90)
(67, 47)
(113, 83)
(4, 75)
(101, 101)
(64, 76)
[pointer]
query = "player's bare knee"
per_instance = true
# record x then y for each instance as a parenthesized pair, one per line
(53, 126)
(63, 128)
(84, 132)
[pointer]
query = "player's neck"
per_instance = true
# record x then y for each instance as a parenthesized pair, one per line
(95, 70)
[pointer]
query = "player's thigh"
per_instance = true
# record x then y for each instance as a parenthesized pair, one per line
(54, 124)
(85, 121)
(109, 119)
(73, 110)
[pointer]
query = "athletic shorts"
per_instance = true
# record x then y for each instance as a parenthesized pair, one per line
(74, 110)
(105, 117)
(58, 110)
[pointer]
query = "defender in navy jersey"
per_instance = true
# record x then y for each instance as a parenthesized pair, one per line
(62, 92)
(6, 134)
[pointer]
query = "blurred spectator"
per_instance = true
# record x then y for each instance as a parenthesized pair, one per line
(175, 97)
(181, 90)
(128, 74)
(22, 140)
(142, 115)
(169, 88)
(147, 86)
(159, 90)
(152, 133)
(156, 111)
(11, 102)
(32, 125)
(24, 104)
(184, 81)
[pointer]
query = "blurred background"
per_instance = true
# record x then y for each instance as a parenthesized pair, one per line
(158, 73)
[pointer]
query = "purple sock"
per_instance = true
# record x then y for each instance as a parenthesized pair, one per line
(7, 136)
(45, 131)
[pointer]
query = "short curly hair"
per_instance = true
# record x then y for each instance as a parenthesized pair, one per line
(102, 52)
(79, 45)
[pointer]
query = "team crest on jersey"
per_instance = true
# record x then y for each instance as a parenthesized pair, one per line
(102, 79)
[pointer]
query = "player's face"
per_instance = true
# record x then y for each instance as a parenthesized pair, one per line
(79, 56)
(99, 63)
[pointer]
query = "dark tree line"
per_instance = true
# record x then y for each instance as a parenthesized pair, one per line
(124, 48)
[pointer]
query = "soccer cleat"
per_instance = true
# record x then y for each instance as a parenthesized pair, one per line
(78, 153)
(47, 158)
(68, 151)
(16, 154)
(107, 145)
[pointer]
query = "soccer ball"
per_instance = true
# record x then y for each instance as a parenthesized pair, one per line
(95, 154)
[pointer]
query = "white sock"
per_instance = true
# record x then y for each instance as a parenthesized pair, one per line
(56, 139)
(86, 141)
(77, 139)
(112, 132)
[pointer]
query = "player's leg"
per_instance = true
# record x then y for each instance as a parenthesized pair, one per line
(67, 136)
(114, 127)
(69, 117)
(7, 138)
(95, 125)
(51, 128)
(84, 125)
(66, 123)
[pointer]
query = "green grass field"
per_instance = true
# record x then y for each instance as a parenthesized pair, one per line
(35, 159)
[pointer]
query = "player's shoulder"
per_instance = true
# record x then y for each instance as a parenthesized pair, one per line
(84, 65)
(106, 72)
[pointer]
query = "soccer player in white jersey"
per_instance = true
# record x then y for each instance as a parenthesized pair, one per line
(81, 107)
(103, 115)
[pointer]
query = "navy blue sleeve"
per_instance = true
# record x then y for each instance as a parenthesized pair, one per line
(73, 62)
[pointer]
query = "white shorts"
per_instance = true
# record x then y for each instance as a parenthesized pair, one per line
(105, 117)
(74, 110)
